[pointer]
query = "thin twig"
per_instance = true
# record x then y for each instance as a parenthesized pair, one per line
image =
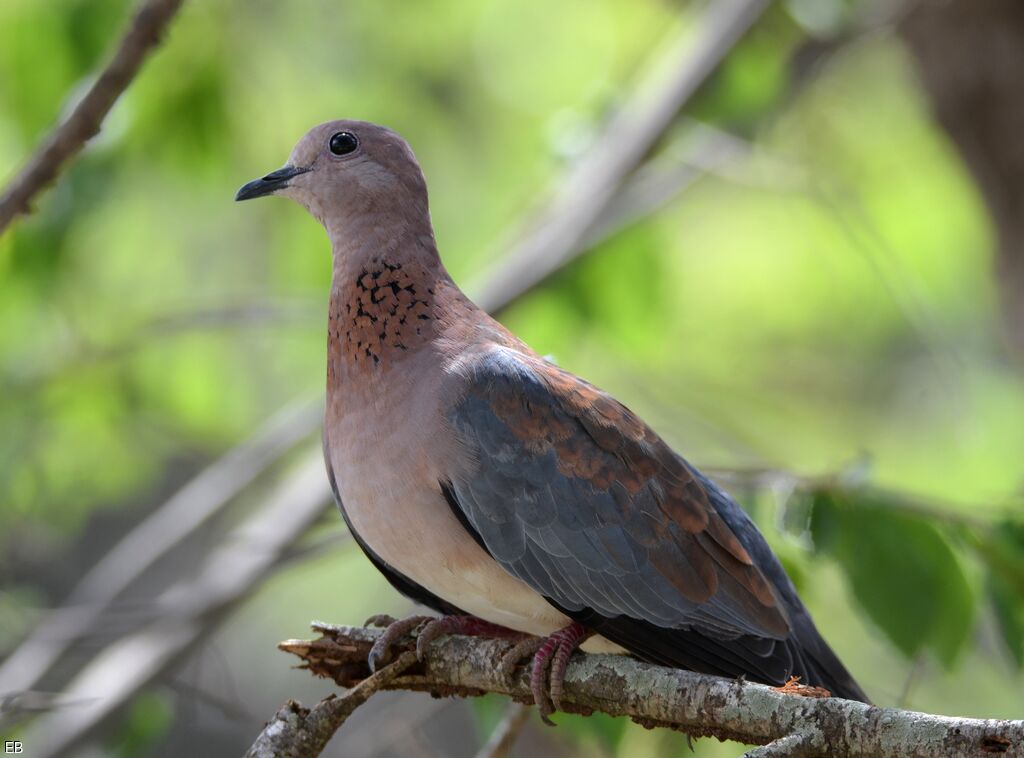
(166, 528)
(930, 508)
(796, 745)
(187, 612)
(84, 122)
(697, 704)
(295, 732)
(506, 732)
(557, 235)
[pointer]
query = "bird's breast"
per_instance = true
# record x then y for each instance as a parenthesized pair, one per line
(389, 448)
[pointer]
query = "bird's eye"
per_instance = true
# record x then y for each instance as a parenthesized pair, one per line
(343, 143)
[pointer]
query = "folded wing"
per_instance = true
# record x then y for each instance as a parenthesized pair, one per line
(573, 494)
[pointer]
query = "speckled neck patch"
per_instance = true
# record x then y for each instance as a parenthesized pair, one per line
(385, 310)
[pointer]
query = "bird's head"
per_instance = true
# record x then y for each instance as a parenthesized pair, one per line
(347, 172)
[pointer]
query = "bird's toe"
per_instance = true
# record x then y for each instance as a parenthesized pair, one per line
(381, 651)
(383, 620)
(553, 653)
(468, 625)
(525, 649)
(570, 638)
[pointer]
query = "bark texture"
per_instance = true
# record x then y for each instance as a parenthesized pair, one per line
(786, 721)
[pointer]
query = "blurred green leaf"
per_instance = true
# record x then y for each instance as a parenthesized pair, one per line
(1002, 551)
(1009, 612)
(901, 569)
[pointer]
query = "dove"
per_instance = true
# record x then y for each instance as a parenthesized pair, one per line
(503, 492)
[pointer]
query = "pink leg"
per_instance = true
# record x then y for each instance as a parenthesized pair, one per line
(554, 652)
(537, 677)
(573, 637)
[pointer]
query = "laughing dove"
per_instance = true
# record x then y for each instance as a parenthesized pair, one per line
(502, 491)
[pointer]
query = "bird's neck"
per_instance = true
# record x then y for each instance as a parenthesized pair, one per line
(390, 296)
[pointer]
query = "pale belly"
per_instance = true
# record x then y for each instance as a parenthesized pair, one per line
(412, 528)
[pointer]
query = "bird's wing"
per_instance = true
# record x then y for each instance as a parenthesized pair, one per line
(574, 495)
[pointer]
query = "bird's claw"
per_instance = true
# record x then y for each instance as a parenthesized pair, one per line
(550, 656)
(382, 620)
(572, 637)
(432, 631)
(551, 653)
(427, 629)
(525, 648)
(381, 651)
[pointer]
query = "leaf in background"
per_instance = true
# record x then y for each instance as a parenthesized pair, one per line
(901, 569)
(1009, 611)
(1002, 552)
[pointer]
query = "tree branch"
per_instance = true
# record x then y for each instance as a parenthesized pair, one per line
(560, 232)
(186, 612)
(184, 514)
(504, 735)
(318, 725)
(782, 720)
(70, 136)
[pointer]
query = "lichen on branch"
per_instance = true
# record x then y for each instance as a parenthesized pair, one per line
(787, 720)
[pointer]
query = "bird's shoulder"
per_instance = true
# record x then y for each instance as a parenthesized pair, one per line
(542, 402)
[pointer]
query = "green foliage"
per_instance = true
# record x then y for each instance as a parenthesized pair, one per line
(901, 569)
(1009, 613)
(1001, 550)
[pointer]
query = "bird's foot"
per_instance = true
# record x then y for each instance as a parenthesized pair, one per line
(394, 630)
(554, 653)
(427, 629)
(470, 626)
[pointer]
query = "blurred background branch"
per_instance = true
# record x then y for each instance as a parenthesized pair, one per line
(86, 117)
(975, 97)
(499, 744)
(186, 612)
(654, 103)
(156, 536)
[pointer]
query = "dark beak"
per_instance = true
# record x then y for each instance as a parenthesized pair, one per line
(270, 183)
